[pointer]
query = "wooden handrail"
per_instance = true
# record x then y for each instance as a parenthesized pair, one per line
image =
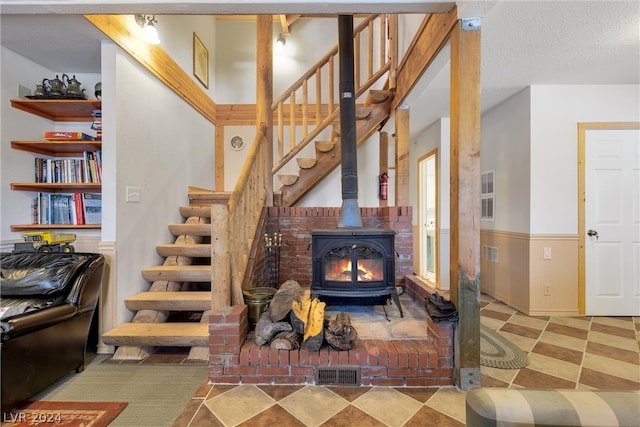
(305, 91)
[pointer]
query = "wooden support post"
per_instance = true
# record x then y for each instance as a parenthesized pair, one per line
(402, 156)
(264, 98)
(465, 200)
(220, 256)
(384, 160)
(219, 162)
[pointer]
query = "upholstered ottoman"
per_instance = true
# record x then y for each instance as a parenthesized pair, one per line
(539, 407)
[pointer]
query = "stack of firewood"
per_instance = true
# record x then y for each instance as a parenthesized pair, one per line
(294, 320)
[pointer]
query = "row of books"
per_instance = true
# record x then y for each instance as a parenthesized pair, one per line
(76, 170)
(97, 122)
(62, 208)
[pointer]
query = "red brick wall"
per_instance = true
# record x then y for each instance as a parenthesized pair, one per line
(236, 359)
(296, 225)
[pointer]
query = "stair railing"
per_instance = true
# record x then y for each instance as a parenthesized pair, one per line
(300, 116)
(235, 225)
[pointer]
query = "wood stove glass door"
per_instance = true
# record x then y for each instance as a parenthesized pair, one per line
(354, 264)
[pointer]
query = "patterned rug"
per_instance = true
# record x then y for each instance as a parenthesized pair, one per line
(70, 414)
(498, 352)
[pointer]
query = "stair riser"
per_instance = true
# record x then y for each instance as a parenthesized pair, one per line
(194, 229)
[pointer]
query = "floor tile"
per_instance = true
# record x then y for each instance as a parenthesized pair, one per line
(521, 330)
(427, 416)
(604, 381)
(624, 343)
(419, 394)
(620, 354)
(279, 392)
(620, 322)
(570, 331)
(530, 322)
(578, 344)
(274, 416)
(555, 367)
(351, 417)
(613, 330)
(250, 398)
(349, 393)
(575, 322)
(450, 402)
(498, 315)
(313, 405)
(387, 405)
(529, 378)
(557, 352)
(606, 365)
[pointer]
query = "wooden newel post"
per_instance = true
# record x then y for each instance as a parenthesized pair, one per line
(465, 199)
(220, 256)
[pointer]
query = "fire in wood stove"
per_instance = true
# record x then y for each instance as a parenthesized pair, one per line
(354, 266)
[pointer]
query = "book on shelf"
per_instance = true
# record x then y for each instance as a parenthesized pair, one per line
(67, 136)
(88, 169)
(92, 208)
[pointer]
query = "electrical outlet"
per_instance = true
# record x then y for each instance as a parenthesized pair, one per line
(547, 289)
(546, 253)
(133, 194)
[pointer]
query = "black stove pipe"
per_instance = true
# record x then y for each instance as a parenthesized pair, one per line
(350, 212)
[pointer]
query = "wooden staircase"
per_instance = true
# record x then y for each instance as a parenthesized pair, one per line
(174, 310)
(369, 119)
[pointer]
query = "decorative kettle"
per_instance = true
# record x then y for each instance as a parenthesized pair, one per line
(56, 86)
(73, 86)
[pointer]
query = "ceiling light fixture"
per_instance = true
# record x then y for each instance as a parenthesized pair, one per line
(280, 43)
(148, 24)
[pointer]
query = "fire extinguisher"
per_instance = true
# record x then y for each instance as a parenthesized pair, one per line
(384, 186)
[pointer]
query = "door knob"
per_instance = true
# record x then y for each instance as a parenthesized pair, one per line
(593, 233)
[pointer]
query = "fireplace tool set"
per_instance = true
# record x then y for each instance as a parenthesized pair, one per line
(273, 245)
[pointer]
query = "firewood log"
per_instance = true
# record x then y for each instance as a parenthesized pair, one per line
(299, 315)
(339, 333)
(285, 341)
(283, 299)
(314, 330)
(266, 329)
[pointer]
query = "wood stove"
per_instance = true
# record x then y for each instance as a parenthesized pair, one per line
(354, 266)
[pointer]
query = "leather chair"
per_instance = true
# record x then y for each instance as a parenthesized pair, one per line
(48, 301)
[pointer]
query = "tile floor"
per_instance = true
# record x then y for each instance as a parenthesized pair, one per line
(564, 352)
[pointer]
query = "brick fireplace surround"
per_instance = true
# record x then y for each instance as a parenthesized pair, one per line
(234, 359)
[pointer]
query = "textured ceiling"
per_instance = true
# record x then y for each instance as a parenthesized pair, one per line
(523, 43)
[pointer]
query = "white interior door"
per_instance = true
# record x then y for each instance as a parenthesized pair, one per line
(427, 195)
(612, 222)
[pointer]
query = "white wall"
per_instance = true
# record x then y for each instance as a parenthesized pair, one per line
(555, 112)
(505, 149)
(162, 146)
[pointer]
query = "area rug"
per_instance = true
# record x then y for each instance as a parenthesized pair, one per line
(69, 414)
(498, 352)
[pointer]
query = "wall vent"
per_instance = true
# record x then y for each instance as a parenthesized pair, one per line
(338, 376)
(490, 253)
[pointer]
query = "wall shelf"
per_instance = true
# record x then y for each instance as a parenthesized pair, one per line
(59, 110)
(57, 148)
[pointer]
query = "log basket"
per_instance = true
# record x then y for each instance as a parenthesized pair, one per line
(257, 299)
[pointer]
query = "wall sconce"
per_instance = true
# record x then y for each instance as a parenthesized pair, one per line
(147, 23)
(280, 43)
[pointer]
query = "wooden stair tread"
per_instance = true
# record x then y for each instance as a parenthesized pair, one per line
(178, 273)
(324, 146)
(287, 179)
(200, 211)
(172, 301)
(159, 334)
(204, 197)
(194, 250)
(306, 162)
(193, 229)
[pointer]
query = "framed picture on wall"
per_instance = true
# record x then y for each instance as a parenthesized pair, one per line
(200, 61)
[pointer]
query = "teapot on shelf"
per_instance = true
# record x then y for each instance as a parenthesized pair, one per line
(57, 86)
(73, 86)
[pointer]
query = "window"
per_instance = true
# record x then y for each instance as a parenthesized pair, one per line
(487, 196)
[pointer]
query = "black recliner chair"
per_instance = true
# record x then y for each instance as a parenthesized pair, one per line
(47, 305)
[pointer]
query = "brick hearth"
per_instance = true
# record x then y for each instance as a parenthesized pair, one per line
(235, 358)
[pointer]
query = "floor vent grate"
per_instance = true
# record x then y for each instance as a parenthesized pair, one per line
(338, 376)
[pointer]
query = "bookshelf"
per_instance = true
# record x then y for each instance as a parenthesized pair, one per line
(59, 111)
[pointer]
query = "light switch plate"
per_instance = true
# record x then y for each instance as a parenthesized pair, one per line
(133, 195)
